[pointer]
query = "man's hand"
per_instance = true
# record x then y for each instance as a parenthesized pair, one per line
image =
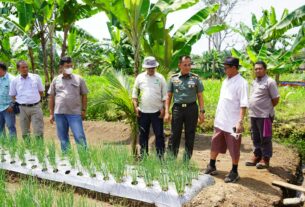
(239, 127)
(83, 114)
(162, 113)
(167, 117)
(9, 110)
(52, 119)
(137, 111)
(201, 118)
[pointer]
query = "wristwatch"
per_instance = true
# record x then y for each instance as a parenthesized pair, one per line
(202, 111)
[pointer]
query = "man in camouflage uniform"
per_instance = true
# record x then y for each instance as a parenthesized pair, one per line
(185, 88)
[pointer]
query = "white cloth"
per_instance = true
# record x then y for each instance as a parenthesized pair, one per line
(233, 96)
(26, 89)
(152, 90)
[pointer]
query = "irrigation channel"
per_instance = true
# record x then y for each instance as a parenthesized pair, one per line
(291, 196)
(172, 187)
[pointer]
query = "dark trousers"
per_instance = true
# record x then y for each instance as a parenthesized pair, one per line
(262, 145)
(144, 122)
(187, 116)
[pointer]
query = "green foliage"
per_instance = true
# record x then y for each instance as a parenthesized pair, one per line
(209, 65)
(72, 157)
(117, 91)
(261, 45)
(21, 150)
(115, 158)
(65, 199)
(12, 147)
(288, 21)
(52, 154)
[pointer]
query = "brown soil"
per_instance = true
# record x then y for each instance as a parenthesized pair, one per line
(253, 189)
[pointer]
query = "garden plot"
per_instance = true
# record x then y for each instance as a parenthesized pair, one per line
(107, 169)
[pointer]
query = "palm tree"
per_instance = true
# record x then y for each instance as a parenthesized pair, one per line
(117, 91)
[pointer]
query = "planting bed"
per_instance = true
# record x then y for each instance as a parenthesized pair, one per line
(107, 169)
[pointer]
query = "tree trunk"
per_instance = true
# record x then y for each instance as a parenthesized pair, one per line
(136, 59)
(31, 55)
(51, 58)
(134, 138)
(277, 78)
(45, 61)
(64, 43)
(51, 35)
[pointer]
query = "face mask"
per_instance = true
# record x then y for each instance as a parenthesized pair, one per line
(68, 71)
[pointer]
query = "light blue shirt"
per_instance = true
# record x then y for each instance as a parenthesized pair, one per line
(5, 99)
(26, 89)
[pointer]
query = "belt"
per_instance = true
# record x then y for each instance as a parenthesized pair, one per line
(29, 105)
(184, 105)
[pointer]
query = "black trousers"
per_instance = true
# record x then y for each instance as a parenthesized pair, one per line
(144, 122)
(187, 116)
(262, 145)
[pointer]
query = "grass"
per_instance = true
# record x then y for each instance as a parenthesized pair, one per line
(52, 154)
(134, 176)
(84, 156)
(12, 147)
(116, 158)
(65, 199)
(40, 150)
(21, 150)
(32, 193)
(163, 179)
(149, 168)
(72, 157)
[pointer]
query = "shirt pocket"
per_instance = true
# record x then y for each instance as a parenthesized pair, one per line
(4, 90)
(34, 85)
(228, 96)
(263, 87)
(59, 87)
(75, 89)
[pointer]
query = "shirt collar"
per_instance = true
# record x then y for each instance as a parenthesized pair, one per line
(5, 76)
(186, 75)
(262, 79)
(149, 75)
(68, 77)
(234, 77)
(29, 76)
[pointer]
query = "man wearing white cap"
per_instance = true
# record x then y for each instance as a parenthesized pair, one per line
(149, 95)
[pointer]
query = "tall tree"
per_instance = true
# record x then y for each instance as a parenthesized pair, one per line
(222, 16)
(144, 20)
(266, 34)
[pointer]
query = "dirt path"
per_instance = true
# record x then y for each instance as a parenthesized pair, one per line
(253, 189)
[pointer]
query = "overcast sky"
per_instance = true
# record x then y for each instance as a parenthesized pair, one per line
(96, 25)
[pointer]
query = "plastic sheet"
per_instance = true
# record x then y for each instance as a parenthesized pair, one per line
(141, 192)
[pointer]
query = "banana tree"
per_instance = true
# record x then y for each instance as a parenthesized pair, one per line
(288, 21)
(264, 37)
(68, 13)
(134, 17)
(166, 47)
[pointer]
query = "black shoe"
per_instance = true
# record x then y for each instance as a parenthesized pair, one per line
(210, 170)
(232, 177)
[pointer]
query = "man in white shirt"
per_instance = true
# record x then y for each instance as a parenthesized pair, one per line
(27, 89)
(228, 123)
(149, 95)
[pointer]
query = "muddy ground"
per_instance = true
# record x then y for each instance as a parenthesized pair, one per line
(253, 189)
